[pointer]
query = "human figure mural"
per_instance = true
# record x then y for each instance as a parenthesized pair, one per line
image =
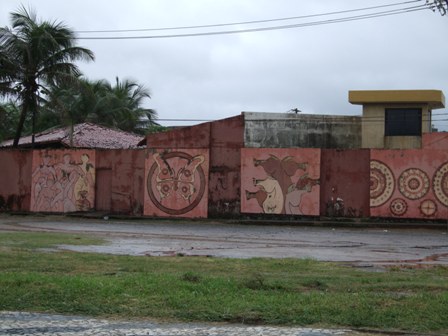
(176, 183)
(62, 185)
(282, 189)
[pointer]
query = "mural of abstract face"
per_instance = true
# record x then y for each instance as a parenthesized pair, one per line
(176, 181)
(181, 181)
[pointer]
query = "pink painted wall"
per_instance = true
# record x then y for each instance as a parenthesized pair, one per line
(227, 139)
(280, 181)
(409, 184)
(63, 181)
(197, 136)
(437, 140)
(224, 139)
(120, 181)
(15, 180)
(345, 176)
(177, 183)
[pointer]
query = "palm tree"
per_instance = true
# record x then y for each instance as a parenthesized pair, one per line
(33, 55)
(120, 106)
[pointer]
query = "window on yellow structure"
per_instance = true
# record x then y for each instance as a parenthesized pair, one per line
(403, 121)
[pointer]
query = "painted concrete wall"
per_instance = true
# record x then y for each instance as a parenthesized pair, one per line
(177, 183)
(120, 181)
(409, 184)
(15, 180)
(280, 181)
(344, 188)
(63, 181)
(286, 130)
(437, 140)
(224, 139)
(227, 139)
(379, 183)
(197, 136)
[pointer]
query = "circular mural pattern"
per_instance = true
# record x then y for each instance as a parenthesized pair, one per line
(398, 207)
(440, 184)
(163, 181)
(382, 183)
(413, 183)
(428, 208)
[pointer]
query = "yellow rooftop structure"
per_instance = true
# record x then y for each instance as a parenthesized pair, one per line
(433, 98)
(396, 119)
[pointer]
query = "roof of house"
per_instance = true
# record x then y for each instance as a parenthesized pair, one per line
(85, 135)
(434, 98)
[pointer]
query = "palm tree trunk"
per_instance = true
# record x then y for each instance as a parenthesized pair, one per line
(33, 130)
(72, 129)
(23, 113)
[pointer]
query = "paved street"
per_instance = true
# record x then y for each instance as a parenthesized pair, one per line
(362, 247)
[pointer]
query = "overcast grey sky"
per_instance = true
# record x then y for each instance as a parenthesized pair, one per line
(212, 77)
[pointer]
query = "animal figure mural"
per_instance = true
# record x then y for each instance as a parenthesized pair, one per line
(62, 181)
(176, 182)
(281, 191)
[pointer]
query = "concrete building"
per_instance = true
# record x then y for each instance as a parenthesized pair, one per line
(396, 119)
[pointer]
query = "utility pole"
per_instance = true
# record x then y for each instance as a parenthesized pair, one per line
(438, 5)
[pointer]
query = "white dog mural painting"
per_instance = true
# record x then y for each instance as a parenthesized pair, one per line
(278, 193)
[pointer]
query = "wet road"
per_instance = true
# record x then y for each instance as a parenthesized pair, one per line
(364, 247)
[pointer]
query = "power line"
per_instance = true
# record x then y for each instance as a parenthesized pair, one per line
(344, 119)
(299, 25)
(246, 22)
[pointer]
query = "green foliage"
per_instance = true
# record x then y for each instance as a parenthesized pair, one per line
(157, 129)
(33, 55)
(9, 118)
(267, 291)
(25, 240)
(98, 102)
(37, 70)
(120, 106)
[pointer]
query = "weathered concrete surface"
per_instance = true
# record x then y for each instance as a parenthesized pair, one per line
(120, 181)
(361, 247)
(345, 175)
(284, 130)
(15, 180)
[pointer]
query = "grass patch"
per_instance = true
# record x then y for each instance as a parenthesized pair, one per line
(267, 291)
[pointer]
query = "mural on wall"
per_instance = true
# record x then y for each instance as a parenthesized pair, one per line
(409, 184)
(177, 183)
(280, 181)
(63, 181)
